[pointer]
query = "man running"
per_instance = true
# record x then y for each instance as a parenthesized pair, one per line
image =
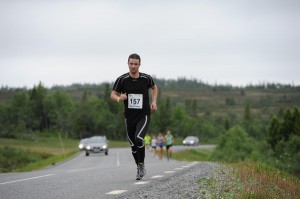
(132, 88)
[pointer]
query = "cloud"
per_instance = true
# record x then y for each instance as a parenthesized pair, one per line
(231, 42)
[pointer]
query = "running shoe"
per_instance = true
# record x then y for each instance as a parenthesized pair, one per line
(138, 173)
(141, 172)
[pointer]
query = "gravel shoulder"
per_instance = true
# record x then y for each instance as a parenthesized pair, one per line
(188, 183)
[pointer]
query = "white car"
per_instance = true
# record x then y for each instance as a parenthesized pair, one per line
(96, 144)
(191, 141)
(82, 144)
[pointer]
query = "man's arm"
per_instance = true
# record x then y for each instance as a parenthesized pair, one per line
(154, 97)
(115, 96)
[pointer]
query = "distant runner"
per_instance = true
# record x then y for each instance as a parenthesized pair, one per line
(147, 141)
(160, 145)
(169, 143)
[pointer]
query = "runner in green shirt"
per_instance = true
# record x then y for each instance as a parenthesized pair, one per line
(169, 143)
(147, 140)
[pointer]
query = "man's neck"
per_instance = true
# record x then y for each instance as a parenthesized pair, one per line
(135, 75)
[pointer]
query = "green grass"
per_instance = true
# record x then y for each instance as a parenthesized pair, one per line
(118, 144)
(192, 155)
(52, 145)
(53, 160)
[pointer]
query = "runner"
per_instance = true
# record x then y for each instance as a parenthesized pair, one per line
(160, 145)
(169, 143)
(147, 141)
(132, 88)
(153, 144)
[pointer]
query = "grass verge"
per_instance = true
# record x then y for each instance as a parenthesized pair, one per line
(250, 180)
(192, 155)
(243, 179)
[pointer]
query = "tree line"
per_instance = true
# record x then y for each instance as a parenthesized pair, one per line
(38, 110)
(83, 110)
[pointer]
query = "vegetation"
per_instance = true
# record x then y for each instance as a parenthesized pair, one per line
(192, 155)
(11, 158)
(280, 149)
(257, 123)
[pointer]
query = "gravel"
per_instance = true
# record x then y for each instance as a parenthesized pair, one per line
(198, 181)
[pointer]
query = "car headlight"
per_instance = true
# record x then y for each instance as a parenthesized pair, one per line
(184, 141)
(88, 147)
(192, 142)
(104, 146)
(80, 146)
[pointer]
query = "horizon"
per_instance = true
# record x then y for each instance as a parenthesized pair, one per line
(258, 84)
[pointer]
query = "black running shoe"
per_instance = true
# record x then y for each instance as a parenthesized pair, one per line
(138, 173)
(141, 172)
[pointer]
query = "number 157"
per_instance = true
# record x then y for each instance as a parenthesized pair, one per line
(134, 101)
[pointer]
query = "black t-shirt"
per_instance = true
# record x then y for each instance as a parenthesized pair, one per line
(137, 91)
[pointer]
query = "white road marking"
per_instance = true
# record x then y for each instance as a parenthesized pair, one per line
(178, 168)
(116, 192)
(143, 182)
(158, 176)
(118, 159)
(170, 172)
(26, 179)
(185, 166)
(193, 163)
(76, 170)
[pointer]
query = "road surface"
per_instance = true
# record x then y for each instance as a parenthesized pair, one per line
(96, 176)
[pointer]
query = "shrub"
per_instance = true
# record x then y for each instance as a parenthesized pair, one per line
(235, 145)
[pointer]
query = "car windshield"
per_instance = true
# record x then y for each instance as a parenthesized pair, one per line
(190, 138)
(97, 140)
(83, 141)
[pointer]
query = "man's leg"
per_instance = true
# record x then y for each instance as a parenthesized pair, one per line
(130, 130)
(141, 129)
(167, 149)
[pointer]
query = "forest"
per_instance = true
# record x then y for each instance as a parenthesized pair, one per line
(267, 115)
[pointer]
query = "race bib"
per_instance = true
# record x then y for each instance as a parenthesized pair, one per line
(135, 101)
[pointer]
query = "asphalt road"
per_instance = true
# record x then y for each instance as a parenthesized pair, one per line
(96, 176)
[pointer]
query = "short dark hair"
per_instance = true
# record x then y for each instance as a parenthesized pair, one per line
(134, 56)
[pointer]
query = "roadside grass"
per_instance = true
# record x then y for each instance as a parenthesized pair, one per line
(52, 145)
(18, 155)
(261, 181)
(191, 155)
(250, 180)
(52, 160)
(118, 144)
(243, 179)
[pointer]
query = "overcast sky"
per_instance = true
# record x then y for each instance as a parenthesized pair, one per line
(61, 42)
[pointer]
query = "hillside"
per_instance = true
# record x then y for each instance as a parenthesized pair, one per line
(217, 100)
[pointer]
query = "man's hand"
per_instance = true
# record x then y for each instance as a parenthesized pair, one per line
(123, 97)
(153, 106)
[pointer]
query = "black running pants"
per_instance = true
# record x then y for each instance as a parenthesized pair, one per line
(136, 130)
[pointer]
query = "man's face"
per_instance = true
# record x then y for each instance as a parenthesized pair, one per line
(134, 65)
